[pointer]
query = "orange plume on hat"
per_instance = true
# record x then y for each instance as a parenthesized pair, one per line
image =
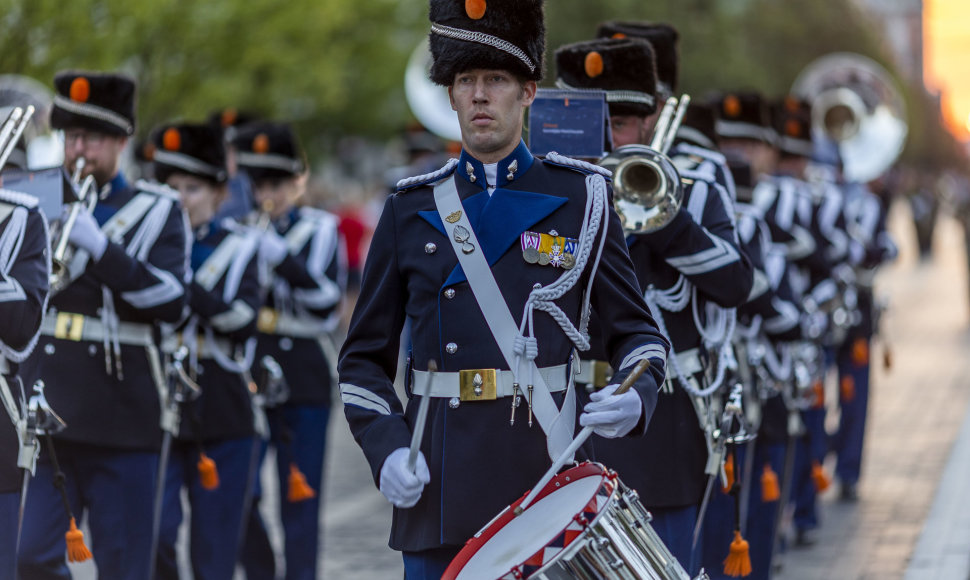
(593, 64)
(80, 90)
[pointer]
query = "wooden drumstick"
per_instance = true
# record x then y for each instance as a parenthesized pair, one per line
(422, 418)
(579, 440)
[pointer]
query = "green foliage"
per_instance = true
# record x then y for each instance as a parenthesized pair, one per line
(336, 66)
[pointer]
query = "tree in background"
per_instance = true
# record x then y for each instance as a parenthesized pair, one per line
(336, 67)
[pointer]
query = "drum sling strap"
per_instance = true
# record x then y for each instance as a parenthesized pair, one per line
(556, 424)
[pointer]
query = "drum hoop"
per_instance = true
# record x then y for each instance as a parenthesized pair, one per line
(473, 545)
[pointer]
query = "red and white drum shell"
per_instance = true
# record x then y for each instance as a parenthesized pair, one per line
(584, 524)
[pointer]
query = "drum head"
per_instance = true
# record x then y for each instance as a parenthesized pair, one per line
(539, 532)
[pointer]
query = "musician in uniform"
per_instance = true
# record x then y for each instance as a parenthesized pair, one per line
(866, 209)
(305, 262)
(212, 456)
(24, 275)
(525, 231)
(686, 264)
(98, 353)
(767, 323)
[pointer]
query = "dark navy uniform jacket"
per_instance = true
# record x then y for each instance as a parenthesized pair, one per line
(667, 466)
(146, 288)
(24, 273)
(225, 319)
(479, 463)
(301, 308)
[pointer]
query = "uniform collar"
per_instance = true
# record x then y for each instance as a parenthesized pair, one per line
(286, 221)
(117, 183)
(509, 169)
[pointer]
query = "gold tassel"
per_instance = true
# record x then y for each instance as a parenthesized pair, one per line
(818, 395)
(738, 562)
(76, 550)
(847, 389)
(821, 479)
(860, 352)
(299, 490)
(208, 474)
(769, 485)
(729, 473)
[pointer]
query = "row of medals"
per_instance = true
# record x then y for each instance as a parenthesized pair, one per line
(556, 257)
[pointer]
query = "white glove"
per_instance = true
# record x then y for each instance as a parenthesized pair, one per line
(273, 248)
(87, 235)
(401, 487)
(612, 416)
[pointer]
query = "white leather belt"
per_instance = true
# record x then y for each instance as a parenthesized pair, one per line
(594, 372)
(689, 362)
(483, 384)
(171, 342)
(78, 327)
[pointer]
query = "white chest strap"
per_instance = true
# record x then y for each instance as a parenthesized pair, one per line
(557, 425)
(116, 227)
(212, 269)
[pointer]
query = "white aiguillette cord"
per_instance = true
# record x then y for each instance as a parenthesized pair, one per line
(422, 417)
(579, 440)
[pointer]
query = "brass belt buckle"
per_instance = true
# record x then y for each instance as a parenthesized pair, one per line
(477, 385)
(267, 319)
(69, 326)
(601, 373)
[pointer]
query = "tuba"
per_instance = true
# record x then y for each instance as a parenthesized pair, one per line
(647, 188)
(856, 104)
(63, 253)
(429, 102)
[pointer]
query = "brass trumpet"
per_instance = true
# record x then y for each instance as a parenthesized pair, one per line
(11, 130)
(61, 230)
(647, 188)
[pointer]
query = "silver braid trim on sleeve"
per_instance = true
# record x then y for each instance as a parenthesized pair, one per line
(486, 39)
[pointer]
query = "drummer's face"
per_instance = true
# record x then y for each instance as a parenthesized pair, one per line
(490, 105)
(200, 197)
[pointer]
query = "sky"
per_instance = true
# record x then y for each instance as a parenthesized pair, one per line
(946, 29)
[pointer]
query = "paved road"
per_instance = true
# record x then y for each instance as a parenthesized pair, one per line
(917, 410)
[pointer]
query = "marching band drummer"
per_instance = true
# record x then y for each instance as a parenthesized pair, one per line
(304, 255)
(492, 260)
(690, 264)
(97, 354)
(212, 456)
(24, 275)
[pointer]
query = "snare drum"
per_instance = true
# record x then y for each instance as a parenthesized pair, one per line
(584, 524)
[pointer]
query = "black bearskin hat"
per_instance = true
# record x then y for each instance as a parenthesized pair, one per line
(101, 102)
(195, 149)
(743, 115)
(663, 38)
(792, 120)
(623, 67)
(268, 150)
(493, 34)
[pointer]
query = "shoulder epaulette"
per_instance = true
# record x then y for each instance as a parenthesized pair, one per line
(18, 198)
(157, 189)
(702, 152)
(554, 158)
(412, 182)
